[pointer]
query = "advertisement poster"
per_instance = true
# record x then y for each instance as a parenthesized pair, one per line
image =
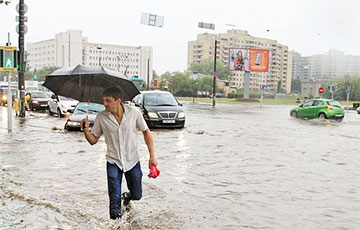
(255, 60)
(259, 60)
(239, 60)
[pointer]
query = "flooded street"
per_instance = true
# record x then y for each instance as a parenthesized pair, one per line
(234, 167)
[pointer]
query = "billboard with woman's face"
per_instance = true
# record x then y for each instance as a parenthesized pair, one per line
(255, 60)
(239, 60)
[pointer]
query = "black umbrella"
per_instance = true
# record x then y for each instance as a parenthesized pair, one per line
(88, 83)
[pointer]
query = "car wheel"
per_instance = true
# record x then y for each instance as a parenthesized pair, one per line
(294, 114)
(49, 111)
(322, 116)
(59, 113)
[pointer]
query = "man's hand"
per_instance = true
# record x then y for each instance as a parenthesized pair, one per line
(84, 124)
(152, 161)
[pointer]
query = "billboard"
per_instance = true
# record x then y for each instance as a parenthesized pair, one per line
(255, 60)
(239, 59)
(259, 60)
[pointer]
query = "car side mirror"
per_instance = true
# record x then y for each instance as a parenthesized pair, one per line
(180, 104)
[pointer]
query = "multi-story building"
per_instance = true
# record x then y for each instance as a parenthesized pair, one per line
(300, 66)
(325, 66)
(71, 48)
(279, 63)
(333, 64)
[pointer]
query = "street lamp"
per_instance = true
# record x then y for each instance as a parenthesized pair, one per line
(148, 65)
(211, 27)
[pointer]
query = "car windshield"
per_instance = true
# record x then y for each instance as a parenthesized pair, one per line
(39, 95)
(334, 103)
(159, 99)
(84, 107)
(65, 98)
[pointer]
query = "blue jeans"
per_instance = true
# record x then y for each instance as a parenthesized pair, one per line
(114, 177)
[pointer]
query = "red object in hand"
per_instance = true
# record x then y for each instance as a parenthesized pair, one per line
(154, 172)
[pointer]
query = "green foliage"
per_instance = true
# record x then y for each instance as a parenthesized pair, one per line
(279, 88)
(181, 83)
(296, 85)
(206, 67)
(342, 84)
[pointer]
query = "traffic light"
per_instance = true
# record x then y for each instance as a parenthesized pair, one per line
(8, 58)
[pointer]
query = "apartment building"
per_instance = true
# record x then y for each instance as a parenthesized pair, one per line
(300, 66)
(71, 48)
(323, 67)
(280, 63)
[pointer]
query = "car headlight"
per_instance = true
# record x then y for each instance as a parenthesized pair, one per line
(64, 106)
(4, 97)
(35, 102)
(73, 123)
(181, 115)
(152, 115)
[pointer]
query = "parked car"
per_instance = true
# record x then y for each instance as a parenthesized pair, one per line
(82, 110)
(61, 105)
(38, 100)
(160, 109)
(319, 108)
(358, 110)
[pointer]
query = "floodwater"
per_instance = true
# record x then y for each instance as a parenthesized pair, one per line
(232, 167)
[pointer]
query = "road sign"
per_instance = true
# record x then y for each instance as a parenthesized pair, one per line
(18, 8)
(18, 29)
(215, 74)
(17, 18)
(321, 90)
(206, 25)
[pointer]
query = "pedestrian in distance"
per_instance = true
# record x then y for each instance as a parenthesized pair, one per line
(119, 124)
(26, 100)
(16, 106)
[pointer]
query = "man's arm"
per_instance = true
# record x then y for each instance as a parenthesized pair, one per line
(91, 138)
(150, 144)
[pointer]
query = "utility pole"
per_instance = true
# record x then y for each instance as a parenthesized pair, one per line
(211, 27)
(9, 96)
(215, 73)
(148, 73)
(21, 57)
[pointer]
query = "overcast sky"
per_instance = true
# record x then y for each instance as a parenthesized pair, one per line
(307, 26)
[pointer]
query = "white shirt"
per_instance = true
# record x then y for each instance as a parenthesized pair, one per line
(121, 140)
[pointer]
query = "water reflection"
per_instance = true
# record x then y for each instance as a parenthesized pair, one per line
(232, 167)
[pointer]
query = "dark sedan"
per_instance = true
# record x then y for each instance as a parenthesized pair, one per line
(160, 109)
(80, 112)
(38, 100)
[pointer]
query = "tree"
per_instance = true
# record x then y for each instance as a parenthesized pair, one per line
(206, 67)
(296, 85)
(342, 85)
(279, 88)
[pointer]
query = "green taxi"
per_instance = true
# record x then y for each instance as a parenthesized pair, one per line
(319, 108)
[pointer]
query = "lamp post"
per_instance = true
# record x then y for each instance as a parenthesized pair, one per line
(211, 27)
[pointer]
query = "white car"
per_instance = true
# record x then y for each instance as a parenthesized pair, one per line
(358, 110)
(61, 105)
